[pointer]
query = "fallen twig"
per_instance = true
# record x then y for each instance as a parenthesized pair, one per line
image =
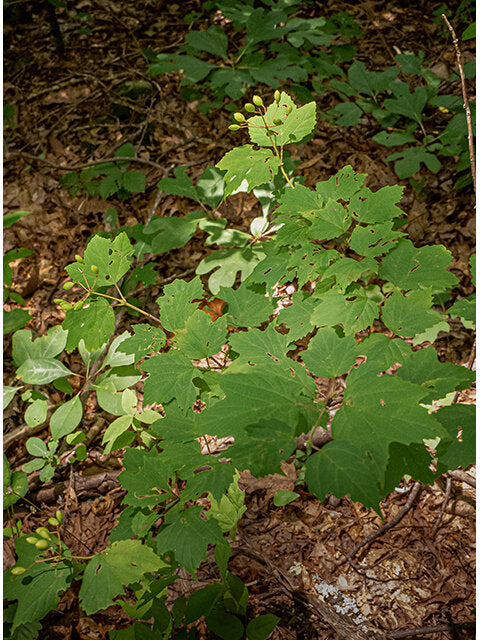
(342, 624)
(420, 631)
(448, 489)
(466, 105)
(24, 430)
(387, 526)
(84, 165)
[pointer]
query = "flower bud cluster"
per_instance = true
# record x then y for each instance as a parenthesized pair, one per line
(256, 106)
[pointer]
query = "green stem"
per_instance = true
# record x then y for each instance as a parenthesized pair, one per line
(130, 306)
(242, 53)
(275, 151)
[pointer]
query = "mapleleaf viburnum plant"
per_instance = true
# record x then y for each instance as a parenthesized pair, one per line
(364, 298)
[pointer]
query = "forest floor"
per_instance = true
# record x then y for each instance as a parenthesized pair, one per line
(68, 112)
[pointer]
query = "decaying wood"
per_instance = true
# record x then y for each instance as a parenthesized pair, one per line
(100, 483)
(463, 476)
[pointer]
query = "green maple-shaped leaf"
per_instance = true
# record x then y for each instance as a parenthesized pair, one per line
(145, 481)
(294, 128)
(246, 306)
(166, 233)
(343, 469)
(328, 355)
(227, 263)
(408, 104)
(111, 258)
(93, 324)
(328, 219)
(201, 337)
(309, 263)
(409, 267)
(374, 240)
(273, 442)
(232, 81)
(292, 231)
(178, 425)
(341, 186)
(330, 222)
(347, 270)
(38, 590)
(214, 40)
(120, 564)
(439, 378)
(245, 163)
(413, 459)
(299, 201)
(180, 185)
(187, 535)
(267, 348)
(297, 316)
(379, 410)
(258, 347)
(408, 161)
(382, 352)
(359, 312)
(149, 475)
(176, 303)
(133, 521)
(171, 376)
(370, 82)
(431, 334)
(263, 25)
(410, 314)
(452, 452)
(192, 67)
(134, 181)
(465, 309)
(329, 308)
(274, 267)
(215, 480)
(270, 391)
(145, 340)
(376, 206)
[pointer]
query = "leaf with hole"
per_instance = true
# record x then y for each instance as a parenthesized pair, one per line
(93, 324)
(119, 565)
(254, 166)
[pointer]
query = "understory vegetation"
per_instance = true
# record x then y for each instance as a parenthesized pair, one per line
(306, 336)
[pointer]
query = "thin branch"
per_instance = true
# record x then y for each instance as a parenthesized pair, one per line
(421, 631)
(84, 165)
(466, 105)
(24, 430)
(387, 526)
(448, 490)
